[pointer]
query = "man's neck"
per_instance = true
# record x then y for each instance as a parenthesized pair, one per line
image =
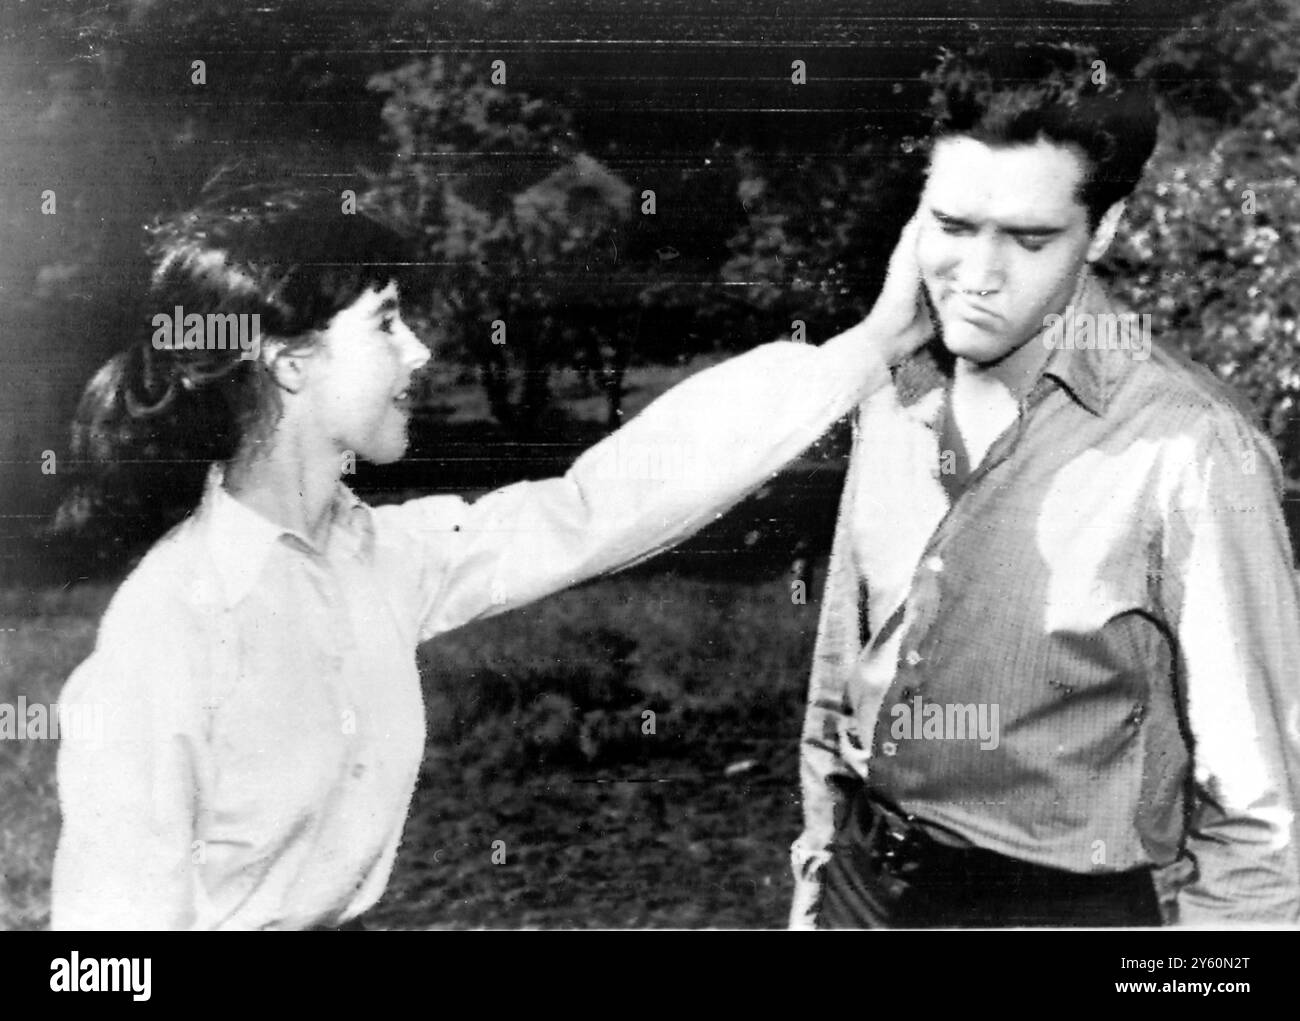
(1016, 373)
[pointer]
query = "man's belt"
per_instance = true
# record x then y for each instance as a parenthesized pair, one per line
(900, 844)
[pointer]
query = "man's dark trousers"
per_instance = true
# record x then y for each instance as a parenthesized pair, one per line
(887, 872)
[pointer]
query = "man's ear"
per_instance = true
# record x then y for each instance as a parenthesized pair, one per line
(1105, 232)
(287, 364)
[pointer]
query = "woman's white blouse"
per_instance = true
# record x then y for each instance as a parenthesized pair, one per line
(264, 723)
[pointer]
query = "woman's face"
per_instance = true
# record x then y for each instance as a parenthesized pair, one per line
(359, 377)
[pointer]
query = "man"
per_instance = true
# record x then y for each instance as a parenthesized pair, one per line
(1059, 641)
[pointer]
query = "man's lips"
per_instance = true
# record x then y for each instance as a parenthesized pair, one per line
(964, 308)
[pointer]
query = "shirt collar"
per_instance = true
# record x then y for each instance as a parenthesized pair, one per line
(1089, 375)
(240, 539)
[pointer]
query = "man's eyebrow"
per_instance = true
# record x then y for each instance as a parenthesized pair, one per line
(1032, 230)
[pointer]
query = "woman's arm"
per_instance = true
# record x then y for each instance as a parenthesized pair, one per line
(126, 856)
(688, 457)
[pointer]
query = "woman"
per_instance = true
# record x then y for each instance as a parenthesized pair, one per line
(263, 714)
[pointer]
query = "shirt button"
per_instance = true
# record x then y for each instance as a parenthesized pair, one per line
(934, 563)
(358, 771)
(913, 657)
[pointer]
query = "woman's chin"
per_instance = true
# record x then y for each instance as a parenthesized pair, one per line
(390, 454)
(387, 450)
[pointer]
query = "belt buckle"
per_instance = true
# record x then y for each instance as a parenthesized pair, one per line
(897, 844)
(897, 849)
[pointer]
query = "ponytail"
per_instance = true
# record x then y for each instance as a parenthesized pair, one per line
(145, 401)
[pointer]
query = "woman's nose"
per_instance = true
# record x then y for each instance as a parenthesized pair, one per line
(415, 353)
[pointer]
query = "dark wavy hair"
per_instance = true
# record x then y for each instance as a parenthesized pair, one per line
(1019, 93)
(277, 250)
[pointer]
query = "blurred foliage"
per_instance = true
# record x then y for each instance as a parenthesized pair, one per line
(521, 223)
(1210, 244)
(819, 232)
(1226, 62)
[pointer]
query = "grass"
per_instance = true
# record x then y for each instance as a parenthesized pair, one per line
(36, 655)
(537, 740)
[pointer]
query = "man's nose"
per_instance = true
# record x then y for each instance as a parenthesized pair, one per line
(980, 267)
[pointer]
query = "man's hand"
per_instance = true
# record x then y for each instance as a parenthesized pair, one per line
(900, 319)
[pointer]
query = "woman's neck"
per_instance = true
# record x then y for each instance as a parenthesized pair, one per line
(289, 481)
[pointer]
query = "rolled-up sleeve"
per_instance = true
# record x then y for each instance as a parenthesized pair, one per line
(689, 456)
(1229, 580)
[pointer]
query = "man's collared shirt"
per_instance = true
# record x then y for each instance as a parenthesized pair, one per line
(264, 724)
(1087, 653)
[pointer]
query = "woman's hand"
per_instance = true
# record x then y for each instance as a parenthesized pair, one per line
(900, 319)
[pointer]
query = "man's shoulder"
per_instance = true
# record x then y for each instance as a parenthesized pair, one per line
(1198, 421)
(1170, 380)
(1171, 376)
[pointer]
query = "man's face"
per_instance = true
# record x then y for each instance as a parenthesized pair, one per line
(1002, 240)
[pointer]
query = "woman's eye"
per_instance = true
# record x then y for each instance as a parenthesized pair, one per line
(386, 323)
(1032, 244)
(953, 228)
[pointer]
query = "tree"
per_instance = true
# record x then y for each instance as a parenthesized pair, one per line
(520, 222)
(1211, 241)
